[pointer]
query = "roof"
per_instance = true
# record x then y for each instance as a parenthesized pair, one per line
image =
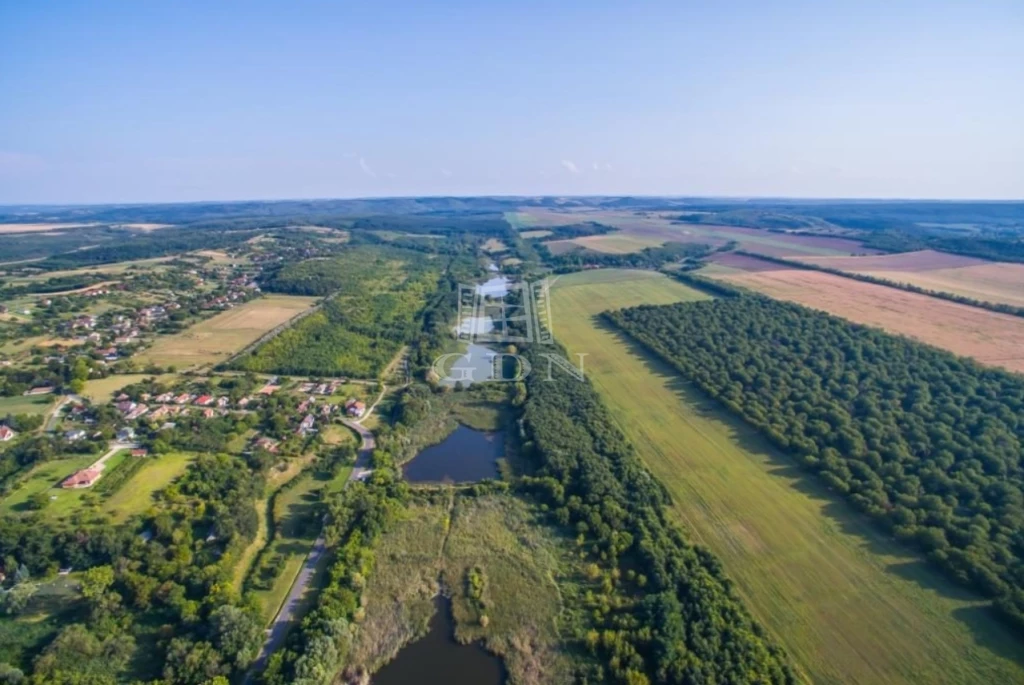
(83, 477)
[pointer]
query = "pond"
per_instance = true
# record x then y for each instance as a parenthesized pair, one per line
(465, 456)
(438, 658)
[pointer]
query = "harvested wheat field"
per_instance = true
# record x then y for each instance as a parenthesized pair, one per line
(217, 338)
(38, 228)
(998, 282)
(990, 338)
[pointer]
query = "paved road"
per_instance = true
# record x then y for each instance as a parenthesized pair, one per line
(282, 622)
(54, 418)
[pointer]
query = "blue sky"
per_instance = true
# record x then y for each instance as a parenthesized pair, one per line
(135, 102)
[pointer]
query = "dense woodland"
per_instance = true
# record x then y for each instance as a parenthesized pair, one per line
(376, 299)
(927, 443)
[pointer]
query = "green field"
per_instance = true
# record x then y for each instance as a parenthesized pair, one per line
(47, 477)
(296, 529)
(848, 604)
(21, 404)
(103, 389)
(135, 496)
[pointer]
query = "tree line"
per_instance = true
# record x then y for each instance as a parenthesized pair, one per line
(666, 613)
(927, 444)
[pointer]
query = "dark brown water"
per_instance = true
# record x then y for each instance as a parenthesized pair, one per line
(438, 659)
(465, 456)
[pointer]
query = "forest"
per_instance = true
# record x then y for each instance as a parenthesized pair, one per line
(376, 297)
(927, 444)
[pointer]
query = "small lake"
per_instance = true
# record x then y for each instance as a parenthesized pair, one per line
(465, 456)
(438, 658)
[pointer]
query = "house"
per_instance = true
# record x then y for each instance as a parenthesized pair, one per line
(165, 398)
(136, 412)
(140, 453)
(267, 444)
(182, 398)
(82, 479)
(159, 413)
(244, 402)
(223, 402)
(269, 389)
(209, 413)
(204, 400)
(305, 387)
(122, 398)
(41, 390)
(125, 406)
(74, 435)
(126, 434)
(6, 434)
(355, 408)
(307, 425)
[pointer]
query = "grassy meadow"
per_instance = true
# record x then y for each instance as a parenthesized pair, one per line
(433, 548)
(295, 530)
(848, 604)
(26, 404)
(133, 497)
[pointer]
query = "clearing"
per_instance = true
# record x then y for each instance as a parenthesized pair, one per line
(136, 496)
(848, 604)
(26, 404)
(132, 497)
(979, 279)
(295, 530)
(215, 339)
(99, 390)
(988, 337)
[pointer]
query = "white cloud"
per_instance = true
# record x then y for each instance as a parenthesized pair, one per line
(366, 168)
(445, 172)
(570, 166)
(601, 166)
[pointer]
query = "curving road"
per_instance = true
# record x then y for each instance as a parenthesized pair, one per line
(278, 630)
